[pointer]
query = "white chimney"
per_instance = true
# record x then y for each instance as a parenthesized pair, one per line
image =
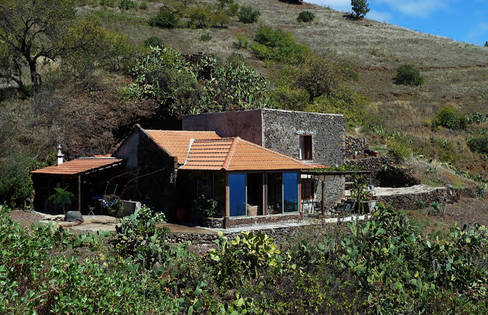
(60, 155)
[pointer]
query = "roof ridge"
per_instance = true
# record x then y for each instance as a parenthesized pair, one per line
(230, 154)
(188, 151)
(275, 152)
(180, 131)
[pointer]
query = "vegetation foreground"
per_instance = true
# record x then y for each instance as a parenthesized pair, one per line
(384, 265)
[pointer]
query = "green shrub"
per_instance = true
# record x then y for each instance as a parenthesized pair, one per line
(183, 88)
(278, 46)
(242, 42)
(15, 179)
(305, 16)
(199, 17)
(400, 147)
(108, 3)
(479, 144)
(164, 19)
(126, 4)
(206, 37)
(233, 9)
(154, 41)
(219, 19)
(244, 257)
(248, 15)
(448, 117)
(409, 75)
(143, 5)
(139, 238)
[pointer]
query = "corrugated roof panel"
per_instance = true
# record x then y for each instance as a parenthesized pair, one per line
(77, 166)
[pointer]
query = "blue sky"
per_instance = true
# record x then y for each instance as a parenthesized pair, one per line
(462, 20)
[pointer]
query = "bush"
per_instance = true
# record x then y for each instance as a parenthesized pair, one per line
(126, 4)
(242, 42)
(448, 117)
(164, 19)
(205, 37)
(15, 179)
(202, 85)
(154, 41)
(244, 257)
(139, 238)
(400, 147)
(199, 17)
(248, 15)
(143, 5)
(479, 144)
(233, 9)
(409, 75)
(278, 46)
(305, 16)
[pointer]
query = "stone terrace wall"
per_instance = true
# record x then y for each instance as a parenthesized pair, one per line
(414, 200)
(353, 145)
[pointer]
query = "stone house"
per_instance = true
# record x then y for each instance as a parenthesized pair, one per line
(314, 138)
(175, 169)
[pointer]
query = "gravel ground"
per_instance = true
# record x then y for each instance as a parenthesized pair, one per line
(25, 218)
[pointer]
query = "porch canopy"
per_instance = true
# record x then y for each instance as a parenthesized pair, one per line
(72, 171)
(259, 181)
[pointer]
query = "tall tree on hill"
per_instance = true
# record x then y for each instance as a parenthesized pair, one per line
(37, 32)
(359, 8)
(30, 32)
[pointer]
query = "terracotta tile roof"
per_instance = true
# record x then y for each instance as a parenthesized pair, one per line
(78, 166)
(236, 154)
(177, 142)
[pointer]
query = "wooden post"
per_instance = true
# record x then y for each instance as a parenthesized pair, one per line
(323, 197)
(227, 200)
(265, 194)
(300, 193)
(79, 193)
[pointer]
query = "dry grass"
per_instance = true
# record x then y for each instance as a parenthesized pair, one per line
(455, 73)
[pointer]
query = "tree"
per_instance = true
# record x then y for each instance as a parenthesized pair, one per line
(37, 32)
(31, 31)
(359, 8)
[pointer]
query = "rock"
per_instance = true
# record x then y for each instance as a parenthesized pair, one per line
(72, 216)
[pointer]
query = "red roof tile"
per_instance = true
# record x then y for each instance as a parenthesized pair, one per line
(236, 154)
(177, 142)
(77, 166)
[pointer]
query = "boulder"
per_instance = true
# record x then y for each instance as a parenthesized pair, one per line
(73, 216)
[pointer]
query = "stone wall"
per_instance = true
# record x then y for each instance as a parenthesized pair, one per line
(334, 190)
(353, 145)
(413, 200)
(282, 130)
(264, 219)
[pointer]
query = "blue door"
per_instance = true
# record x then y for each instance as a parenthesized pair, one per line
(237, 194)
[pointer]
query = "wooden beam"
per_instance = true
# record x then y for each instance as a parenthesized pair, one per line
(79, 193)
(323, 198)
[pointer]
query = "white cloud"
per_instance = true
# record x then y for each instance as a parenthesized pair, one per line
(417, 8)
(379, 16)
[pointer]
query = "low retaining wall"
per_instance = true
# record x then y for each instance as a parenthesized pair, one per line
(261, 219)
(416, 197)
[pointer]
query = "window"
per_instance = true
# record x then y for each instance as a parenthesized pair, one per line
(307, 189)
(306, 148)
(290, 191)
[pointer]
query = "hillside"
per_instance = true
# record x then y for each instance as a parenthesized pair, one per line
(455, 73)
(89, 108)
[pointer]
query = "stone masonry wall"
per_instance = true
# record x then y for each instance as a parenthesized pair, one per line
(282, 130)
(353, 145)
